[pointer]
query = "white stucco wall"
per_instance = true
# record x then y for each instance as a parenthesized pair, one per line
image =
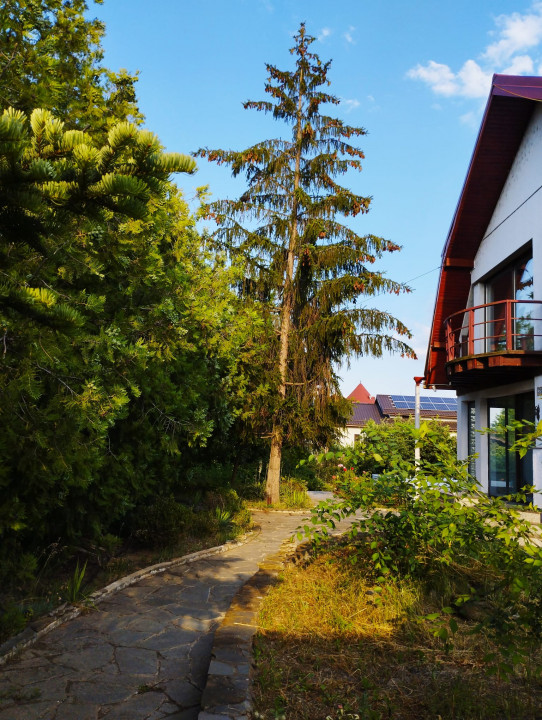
(348, 435)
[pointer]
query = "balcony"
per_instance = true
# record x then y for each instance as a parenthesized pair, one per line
(495, 343)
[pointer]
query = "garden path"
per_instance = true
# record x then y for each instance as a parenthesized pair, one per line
(143, 653)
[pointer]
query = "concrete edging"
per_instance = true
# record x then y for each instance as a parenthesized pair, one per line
(42, 626)
(227, 693)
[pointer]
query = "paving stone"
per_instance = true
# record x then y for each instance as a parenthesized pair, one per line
(71, 711)
(168, 708)
(145, 624)
(50, 689)
(221, 668)
(204, 612)
(183, 693)
(128, 638)
(192, 623)
(188, 714)
(230, 653)
(175, 668)
(171, 638)
(136, 661)
(136, 707)
(195, 596)
(103, 692)
(86, 659)
(36, 711)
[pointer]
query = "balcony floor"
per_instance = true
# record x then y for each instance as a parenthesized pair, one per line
(493, 369)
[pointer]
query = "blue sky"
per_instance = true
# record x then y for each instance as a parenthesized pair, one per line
(415, 74)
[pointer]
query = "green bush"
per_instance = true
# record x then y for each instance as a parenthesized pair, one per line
(448, 532)
(224, 499)
(159, 524)
(395, 439)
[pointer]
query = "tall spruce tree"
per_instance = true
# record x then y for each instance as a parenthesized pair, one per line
(312, 269)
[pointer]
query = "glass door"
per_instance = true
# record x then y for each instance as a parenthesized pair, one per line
(514, 282)
(508, 473)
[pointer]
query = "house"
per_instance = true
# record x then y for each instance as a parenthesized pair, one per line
(387, 407)
(486, 335)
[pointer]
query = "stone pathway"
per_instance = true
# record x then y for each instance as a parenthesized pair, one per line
(144, 653)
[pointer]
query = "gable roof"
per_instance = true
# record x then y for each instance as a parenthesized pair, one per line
(508, 111)
(384, 408)
(360, 395)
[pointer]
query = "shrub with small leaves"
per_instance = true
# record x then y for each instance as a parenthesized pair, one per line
(443, 524)
(159, 524)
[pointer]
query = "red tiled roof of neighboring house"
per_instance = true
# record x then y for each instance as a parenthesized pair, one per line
(360, 395)
(362, 413)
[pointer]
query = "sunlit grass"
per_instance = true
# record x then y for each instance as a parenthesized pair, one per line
(331, 643)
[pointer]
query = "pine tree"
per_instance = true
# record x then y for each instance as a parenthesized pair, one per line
(311, 268)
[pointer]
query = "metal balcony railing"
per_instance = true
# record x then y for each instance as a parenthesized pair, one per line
(504, 326)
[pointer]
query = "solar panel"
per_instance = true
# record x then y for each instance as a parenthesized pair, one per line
(435, 404)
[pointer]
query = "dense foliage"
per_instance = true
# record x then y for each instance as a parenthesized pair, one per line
(309, 270)
(389, 440)
(51, 57)
(126, 355)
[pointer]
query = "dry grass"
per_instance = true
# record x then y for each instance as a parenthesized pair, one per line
(327, 643)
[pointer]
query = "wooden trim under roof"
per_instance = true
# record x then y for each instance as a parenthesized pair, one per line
(508, 111)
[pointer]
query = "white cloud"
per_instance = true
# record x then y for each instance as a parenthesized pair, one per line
(475, 82)
(520, 65)
(514, 35)
(350, 104)
(440, 77)
(517, 33)
(323, 34)
(349, 35)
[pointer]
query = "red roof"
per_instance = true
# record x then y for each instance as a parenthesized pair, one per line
(508, 112)
(360, 395)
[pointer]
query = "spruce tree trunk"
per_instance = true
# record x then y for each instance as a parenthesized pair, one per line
(272, 487)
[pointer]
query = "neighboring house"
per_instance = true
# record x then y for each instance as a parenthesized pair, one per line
(386, 407)
(486, 336)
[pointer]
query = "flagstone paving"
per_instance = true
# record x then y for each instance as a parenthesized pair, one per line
(144, 653)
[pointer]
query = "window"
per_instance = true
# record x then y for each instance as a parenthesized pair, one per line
(508, 473)
(514, 282)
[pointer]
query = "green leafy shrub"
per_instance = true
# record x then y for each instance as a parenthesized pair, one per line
(159, 524)
(475, 550)
(395, 439)
(224, 499)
